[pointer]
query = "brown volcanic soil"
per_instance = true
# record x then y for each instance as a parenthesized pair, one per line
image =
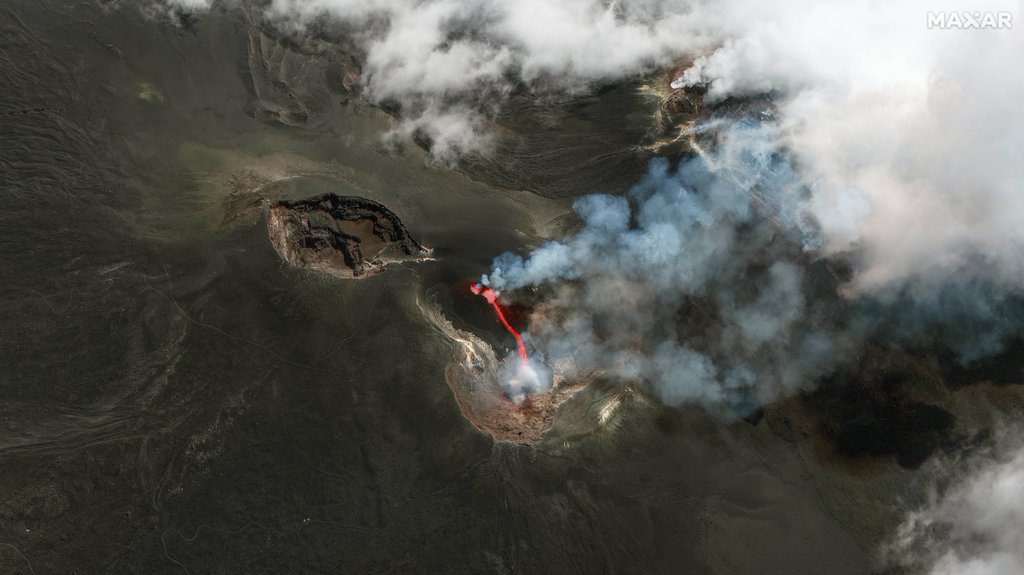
(680, 110)
(473, 376)
(484, 403)
(345, 236)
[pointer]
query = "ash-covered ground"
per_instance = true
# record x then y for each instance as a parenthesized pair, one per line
(176, 398)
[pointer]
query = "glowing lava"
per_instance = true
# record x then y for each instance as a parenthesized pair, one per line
(492, 298)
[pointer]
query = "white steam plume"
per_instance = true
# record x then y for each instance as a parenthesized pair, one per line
(448, 61)
(908, 137)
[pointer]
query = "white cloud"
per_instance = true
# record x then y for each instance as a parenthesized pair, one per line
(975, 528)
(464, 43)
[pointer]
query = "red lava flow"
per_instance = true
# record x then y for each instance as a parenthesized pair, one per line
(492, 298)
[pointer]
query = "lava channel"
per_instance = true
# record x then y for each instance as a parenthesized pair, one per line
(492, 298)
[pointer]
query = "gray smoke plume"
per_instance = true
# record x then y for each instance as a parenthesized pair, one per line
(696, 282)
(711, 283)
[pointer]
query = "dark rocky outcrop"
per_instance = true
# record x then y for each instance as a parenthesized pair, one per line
(345, 236)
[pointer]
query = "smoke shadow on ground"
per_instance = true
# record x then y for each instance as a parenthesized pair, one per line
(869, 410)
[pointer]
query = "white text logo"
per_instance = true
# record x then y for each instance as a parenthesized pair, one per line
(970, 20)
